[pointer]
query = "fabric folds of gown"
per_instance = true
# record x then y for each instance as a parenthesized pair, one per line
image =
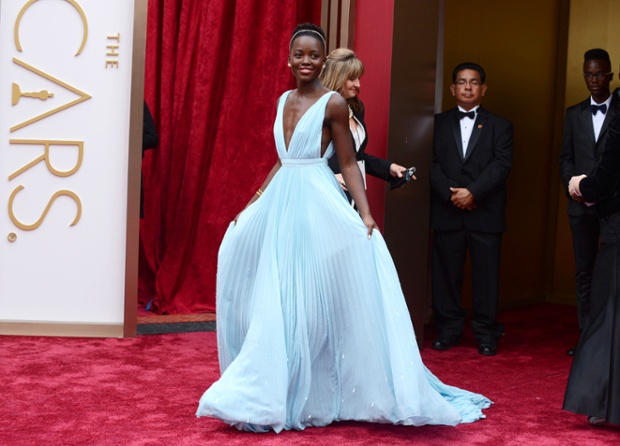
(312, 323)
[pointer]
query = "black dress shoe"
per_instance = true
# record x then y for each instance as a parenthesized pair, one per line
(596, 421)
(442, 344)
(571, 351)
(487, 349)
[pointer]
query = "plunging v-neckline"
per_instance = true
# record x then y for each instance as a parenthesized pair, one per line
(286, 147)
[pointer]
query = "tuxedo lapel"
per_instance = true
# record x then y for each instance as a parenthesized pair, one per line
(586, 119)
(481, 119)
(608, 116)
(601, 135)
(456, 131)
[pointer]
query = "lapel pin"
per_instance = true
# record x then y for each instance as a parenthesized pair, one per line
(479, 126)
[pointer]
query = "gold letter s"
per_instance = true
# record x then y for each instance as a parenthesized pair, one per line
(36, 224)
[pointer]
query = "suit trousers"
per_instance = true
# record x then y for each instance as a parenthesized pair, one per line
(448, 259)
(585, 230)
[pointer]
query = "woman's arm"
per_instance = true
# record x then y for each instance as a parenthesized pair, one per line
(261, 189)
(337, 117)
(382, 168)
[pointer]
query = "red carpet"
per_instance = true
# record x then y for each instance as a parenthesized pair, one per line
(144, 391)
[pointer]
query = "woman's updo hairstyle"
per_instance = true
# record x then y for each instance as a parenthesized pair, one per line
(309, 29)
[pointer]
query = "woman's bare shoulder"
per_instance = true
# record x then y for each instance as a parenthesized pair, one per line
(336, 104)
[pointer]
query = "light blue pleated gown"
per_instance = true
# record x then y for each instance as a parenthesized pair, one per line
(312, 323)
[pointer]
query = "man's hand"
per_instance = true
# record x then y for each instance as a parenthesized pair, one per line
(573, 188)
(462, 198)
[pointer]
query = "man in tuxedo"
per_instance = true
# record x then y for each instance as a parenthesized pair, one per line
(472, 156)
(585, 132)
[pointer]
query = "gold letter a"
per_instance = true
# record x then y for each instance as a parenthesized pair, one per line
(82, 96)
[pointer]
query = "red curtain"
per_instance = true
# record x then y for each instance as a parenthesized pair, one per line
(214, 69)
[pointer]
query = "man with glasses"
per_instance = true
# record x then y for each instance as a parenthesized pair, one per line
(472, 156)
(585, 132)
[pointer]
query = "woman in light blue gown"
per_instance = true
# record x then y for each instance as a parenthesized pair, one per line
(312, 322)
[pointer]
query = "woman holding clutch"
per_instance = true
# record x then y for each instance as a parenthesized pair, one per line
(342, 74)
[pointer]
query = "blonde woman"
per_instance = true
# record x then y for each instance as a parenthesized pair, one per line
(342, 74)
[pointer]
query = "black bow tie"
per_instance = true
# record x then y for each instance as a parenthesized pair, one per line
(469, 114)
(596, 108)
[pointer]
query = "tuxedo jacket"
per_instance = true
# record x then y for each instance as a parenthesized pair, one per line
(603, 184)
(483, 170)
(377, 167)
(580, 151)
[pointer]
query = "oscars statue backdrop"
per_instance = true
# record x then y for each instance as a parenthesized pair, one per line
(65, 109)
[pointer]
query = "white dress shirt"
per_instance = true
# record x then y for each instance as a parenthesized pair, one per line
(599, 117)
(359, 134)
(467, 127)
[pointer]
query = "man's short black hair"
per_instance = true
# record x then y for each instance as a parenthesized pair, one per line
(469, 66)
(596, 54)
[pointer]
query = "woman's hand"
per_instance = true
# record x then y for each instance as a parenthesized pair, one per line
(396, 170)
(369, 222)
(340, 180)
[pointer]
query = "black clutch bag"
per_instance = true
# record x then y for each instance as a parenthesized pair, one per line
(395, 183)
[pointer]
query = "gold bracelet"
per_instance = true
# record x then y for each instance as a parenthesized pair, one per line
(259, 192)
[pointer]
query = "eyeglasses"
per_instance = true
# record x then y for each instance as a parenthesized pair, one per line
(472, 82)
(598, 76)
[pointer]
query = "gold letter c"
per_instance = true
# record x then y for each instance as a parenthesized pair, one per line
(73, 3)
